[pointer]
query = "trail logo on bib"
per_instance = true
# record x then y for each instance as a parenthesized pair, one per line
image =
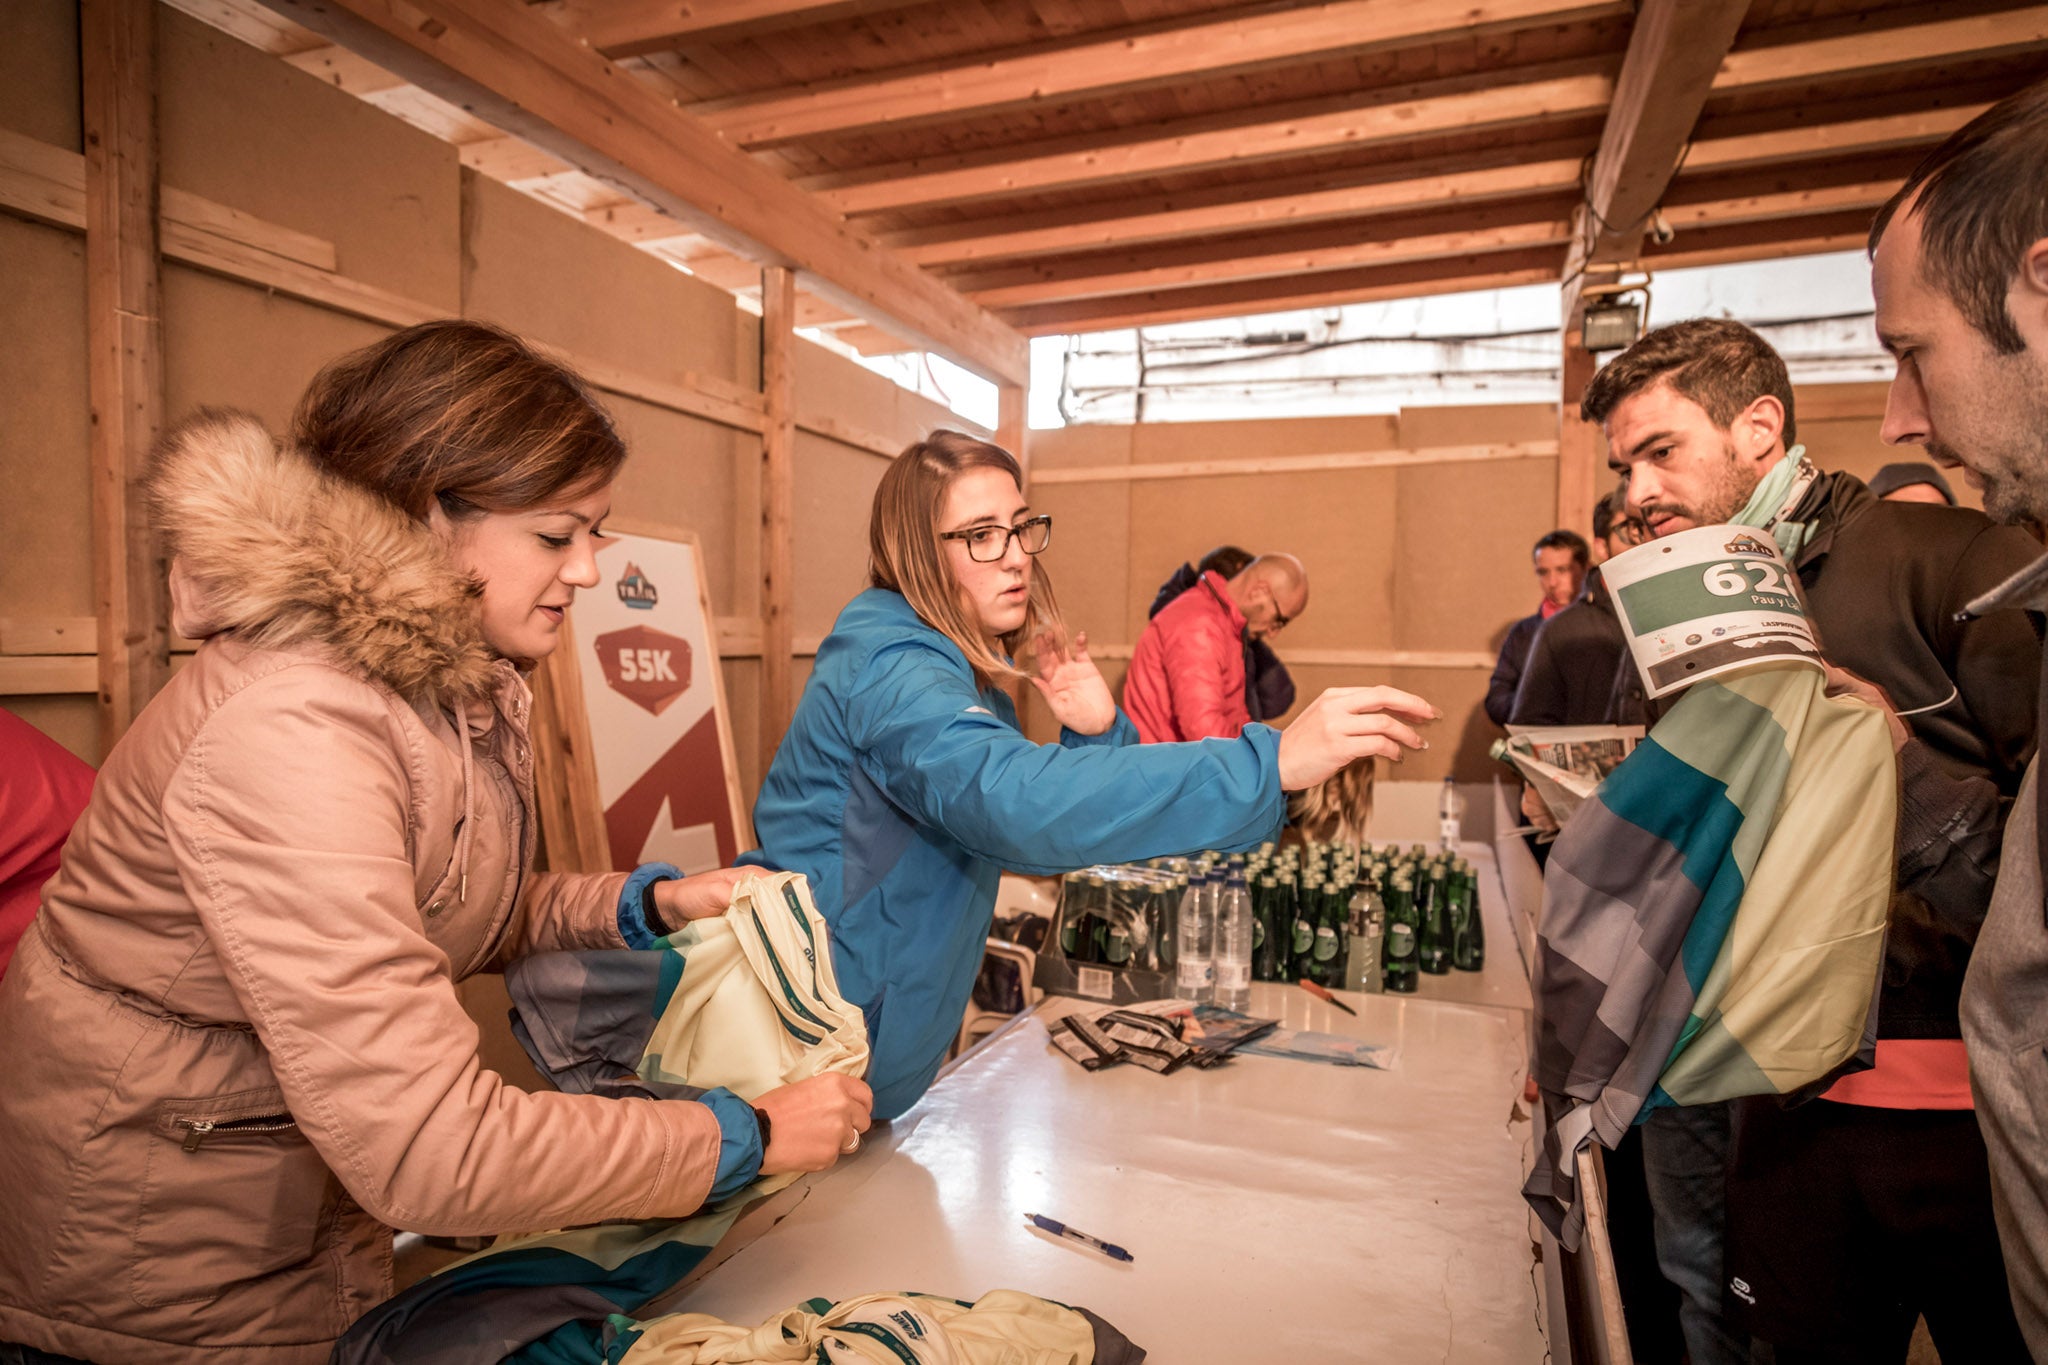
(635, 591)
(645, 666)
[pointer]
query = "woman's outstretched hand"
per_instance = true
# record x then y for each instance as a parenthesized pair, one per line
(1349, 723)
(814, 1122)
(1072, 685)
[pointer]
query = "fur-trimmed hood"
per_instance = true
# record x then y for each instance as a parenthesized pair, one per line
(266, 545)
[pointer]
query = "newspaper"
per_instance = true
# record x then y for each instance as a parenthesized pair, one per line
(1564, 763)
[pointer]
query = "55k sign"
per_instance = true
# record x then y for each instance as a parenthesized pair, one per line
(645, 666)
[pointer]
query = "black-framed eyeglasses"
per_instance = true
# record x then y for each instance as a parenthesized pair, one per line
(987, 544)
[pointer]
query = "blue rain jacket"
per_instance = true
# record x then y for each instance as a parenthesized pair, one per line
(902, 790)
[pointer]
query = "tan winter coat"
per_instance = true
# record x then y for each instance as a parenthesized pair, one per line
(232, 1051)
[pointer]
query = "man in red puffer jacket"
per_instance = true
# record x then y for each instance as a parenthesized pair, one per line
(1187, 674)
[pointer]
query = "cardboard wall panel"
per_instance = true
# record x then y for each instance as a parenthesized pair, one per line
(1068, 447)
(1465, 532)
(46, 514)
(242, 128)
(680, 474)
(560, 281)
(834, 494)
(1168, 441)
(39, 95)
(231, 345)
(1089, 571)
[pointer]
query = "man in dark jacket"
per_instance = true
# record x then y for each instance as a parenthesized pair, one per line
(1960, 274)
(1849, 1216)
(1569, 676)
(1561, 560)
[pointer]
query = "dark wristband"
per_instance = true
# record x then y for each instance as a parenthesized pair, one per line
(648, 911)
(761, 1118)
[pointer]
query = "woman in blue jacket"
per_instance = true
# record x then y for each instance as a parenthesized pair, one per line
(904, 785)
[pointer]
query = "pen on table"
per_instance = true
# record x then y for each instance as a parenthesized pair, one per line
(1319, 993)
(1059, 1229)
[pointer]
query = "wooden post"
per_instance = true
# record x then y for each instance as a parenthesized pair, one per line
(778, 495)
(117, 61)
(1010, 428)
(1578, 442)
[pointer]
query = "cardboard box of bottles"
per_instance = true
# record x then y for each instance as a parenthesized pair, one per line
(1112, 938)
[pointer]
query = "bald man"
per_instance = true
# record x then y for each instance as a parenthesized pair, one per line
(1187, 674)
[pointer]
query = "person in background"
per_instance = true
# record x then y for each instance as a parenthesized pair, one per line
(903, 787)
(1568, 677)
(1269, 687)
(1960, 274)
(1912, 481)
(1832, 1225)
(43, 787)
(1187, 678)
(1561, 560)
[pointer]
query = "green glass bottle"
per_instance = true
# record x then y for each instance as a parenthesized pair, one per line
(1266, 931)
(1434, 941)
(1301, 945)
(1072, 912)
(1468, 941)
(1326, 963)
(1398, 944)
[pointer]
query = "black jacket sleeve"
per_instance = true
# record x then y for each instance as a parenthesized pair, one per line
(1507, 672)
(1951, 824)
(1543, 695)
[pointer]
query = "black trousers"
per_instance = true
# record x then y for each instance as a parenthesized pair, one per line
(1846, 1224)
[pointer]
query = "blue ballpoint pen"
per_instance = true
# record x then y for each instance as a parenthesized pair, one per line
(1059, 1229)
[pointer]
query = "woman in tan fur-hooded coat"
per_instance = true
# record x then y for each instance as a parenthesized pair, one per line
(233, 1051)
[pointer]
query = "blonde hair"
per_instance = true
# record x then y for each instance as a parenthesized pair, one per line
(1339, 809)
(906, 556)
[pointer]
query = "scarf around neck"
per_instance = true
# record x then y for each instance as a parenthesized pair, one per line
(1770, 507)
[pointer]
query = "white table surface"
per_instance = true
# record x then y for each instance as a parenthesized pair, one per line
(1278, 1210)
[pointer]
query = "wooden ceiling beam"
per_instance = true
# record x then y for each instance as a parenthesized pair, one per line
(1414, 279)
(1450, 182)
(1300, 251)
(523, 73)
(1858, 135)
(1494, 99)
(1344, 245)
(1495, 174)
(1198, 47)
(1675, 53)
(1762, 241)
(1973, 36)
(510, 159)
(1398, 113)
(626, 28)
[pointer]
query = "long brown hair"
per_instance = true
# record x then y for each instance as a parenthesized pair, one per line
(905, 555)
(460, 413)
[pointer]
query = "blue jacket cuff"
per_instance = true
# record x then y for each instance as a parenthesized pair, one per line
(1120, 733)
(633, 925)
(739, 1143)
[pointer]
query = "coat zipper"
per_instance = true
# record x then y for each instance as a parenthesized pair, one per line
(198, 1130)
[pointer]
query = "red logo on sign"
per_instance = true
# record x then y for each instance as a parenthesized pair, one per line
(645, 667)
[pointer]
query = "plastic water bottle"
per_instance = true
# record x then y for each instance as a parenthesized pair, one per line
(1450, 815)
(1234, 945)
(1194, 970)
